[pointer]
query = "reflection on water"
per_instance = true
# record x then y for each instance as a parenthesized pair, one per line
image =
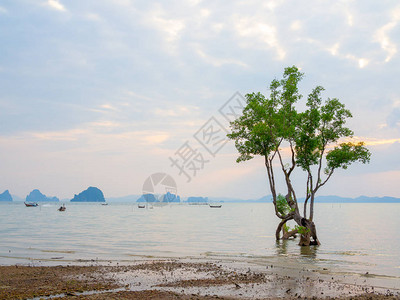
(122, 231)
(309, 251)
(284, 248)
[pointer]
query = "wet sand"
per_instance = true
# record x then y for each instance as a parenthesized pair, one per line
(190, 279)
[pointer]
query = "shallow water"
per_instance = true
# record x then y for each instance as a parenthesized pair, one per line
(355, 237)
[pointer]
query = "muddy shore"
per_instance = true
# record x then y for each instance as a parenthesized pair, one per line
(189, 279)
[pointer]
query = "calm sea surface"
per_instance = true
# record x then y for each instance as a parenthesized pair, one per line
(355, 237)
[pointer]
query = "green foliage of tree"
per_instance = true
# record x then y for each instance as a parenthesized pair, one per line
(302, 230)
(282, 205)
(316, 139)
(286, 227)
(346, 153)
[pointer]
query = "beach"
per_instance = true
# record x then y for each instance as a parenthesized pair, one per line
(199, 149)
(189, 278)
(185, 252)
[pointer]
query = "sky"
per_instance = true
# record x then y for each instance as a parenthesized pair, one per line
(106, 93)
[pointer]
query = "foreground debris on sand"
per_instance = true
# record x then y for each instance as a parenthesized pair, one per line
(179, 279)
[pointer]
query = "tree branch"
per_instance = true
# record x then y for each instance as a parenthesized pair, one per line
(292, 203)
(329, 176)
(308, 192)
(320, 165)
(271, 179)
(293, 159)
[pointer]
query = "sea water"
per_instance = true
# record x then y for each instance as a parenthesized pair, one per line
(356, 238)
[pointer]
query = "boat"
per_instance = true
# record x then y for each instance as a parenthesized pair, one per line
(31, 204)
(62, 208)
(215, 205)
(141, 206)
(104, 204)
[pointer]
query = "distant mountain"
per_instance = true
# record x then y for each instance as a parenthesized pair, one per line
(360, 199)
(17, 198)
(168, 197)
(129, 198)
(147, 198)
(37, 196)
(337, 199)
(197, 200)
(265, 199)
(319, 199)
(224, 199)
(92, 194)
(6, 197)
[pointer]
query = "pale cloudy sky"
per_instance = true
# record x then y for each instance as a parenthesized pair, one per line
(103, 92)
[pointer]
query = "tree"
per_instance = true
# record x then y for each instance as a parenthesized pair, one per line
(313, 138)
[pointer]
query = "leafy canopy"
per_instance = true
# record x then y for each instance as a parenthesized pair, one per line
(313, 135)
(267, 121)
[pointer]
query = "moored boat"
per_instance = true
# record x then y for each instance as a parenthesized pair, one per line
(215, 205)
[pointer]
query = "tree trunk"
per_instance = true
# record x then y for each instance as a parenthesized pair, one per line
(305, 238)
(285, 234)
(288, 234)
(278, 230)
(314, 235)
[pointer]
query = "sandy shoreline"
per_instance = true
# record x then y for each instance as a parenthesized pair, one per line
(190, 279)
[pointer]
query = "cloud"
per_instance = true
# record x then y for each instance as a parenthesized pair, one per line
(67, 135)
(256, 32)
(153, 139)
(83, 133)
(109, 107)
(139, 78)
(175, 112)
(383, 38)
(170, 27)
(176, 116)
(231, 175)
(115, 109)
(136, 95)
(104, 124)
(393, 119)
(296, 25)
(194, 2)
(361, 62)
(103, 132)
(55, 4)
(3, 10)
(218, 62)
(93, 17)
(344, 6)
(123, 2)
(376, 142)
(336, 51)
